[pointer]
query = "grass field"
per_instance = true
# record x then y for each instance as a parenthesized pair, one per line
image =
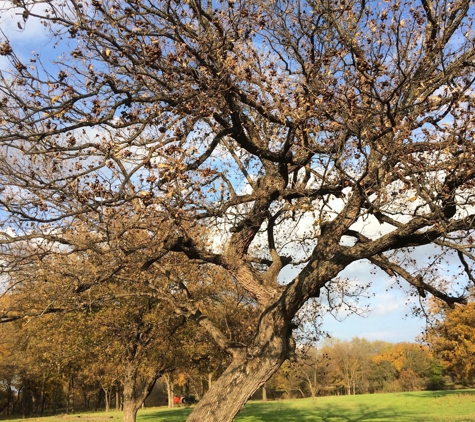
(440, 406)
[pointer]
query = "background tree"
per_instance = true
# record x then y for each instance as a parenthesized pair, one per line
(383, 373)
(402, 366)
(36, 364)
(451, 337)
(129, 331)
(246, 136)
(359, 366)
(313, 370)
(9, 370)
(351, 360)
(124, 334)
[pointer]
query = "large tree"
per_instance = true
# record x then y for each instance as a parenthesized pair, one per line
(247, 136)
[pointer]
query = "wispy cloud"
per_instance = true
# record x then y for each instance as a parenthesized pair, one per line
(388, 304)
(408, 333)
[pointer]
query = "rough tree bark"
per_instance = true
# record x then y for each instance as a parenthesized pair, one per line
(136, 389)
(245, 375)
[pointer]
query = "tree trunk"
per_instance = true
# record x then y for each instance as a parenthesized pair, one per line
(106, 398)
(248, 371)
(73, 404)
(70, 394)
(25, 398)
(168, 379)
(130, 402)
(233, 388)
(55, 398)
(10, 399)
(15, 402)
(42, 395)
(130, 411)
(313, 385)
(135, 390)
(264, 393)
(22, 391)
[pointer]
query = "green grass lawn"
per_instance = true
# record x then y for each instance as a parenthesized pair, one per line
(441, 406)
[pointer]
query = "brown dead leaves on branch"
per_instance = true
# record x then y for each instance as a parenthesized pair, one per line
(250, 137)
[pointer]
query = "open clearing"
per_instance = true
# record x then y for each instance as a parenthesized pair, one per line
(441, 406)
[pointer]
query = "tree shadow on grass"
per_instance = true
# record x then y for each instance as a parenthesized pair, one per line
(321, 412)
(282, 412)
(327, 413)
(364, 412)
(440, 393)
(171, 415)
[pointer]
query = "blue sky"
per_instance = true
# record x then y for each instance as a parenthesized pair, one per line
(389, 325)
(33, 37)
(390, 316)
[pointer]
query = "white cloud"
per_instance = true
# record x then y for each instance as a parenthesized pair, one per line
(387, 304)
(409, 333)
(24, 37)
(31, 32)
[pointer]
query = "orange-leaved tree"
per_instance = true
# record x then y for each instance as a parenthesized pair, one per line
(115, 331)
(451, 337)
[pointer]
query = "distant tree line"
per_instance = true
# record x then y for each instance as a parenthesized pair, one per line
(441, 359)
(358, 366)
(32, 382)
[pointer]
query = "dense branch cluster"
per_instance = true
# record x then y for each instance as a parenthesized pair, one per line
(249, 137)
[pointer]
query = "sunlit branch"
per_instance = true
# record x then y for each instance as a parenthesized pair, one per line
(392, 268)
